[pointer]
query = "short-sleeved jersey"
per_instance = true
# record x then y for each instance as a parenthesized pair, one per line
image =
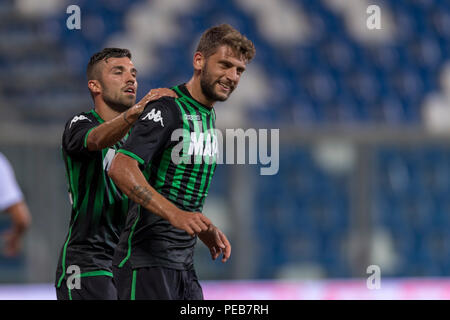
(10, 193)
(175, 144)
(98, 207)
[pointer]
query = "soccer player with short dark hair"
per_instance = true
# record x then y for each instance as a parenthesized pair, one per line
(154, 257)
(99, 209)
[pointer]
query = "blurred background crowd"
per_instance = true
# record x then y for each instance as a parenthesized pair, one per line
(364, 119)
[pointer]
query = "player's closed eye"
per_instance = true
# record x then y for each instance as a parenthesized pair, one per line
(225, 65)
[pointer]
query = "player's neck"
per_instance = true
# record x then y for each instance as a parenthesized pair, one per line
(104, 111)
(196, 92)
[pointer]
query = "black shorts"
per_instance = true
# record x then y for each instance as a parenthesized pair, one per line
(156, 283)
(91, 288)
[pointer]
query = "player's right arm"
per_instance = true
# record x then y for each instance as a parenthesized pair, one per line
(108, 133)
(128, 177)
(150, 136)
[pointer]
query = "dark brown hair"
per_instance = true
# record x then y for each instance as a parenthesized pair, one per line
(105, 54)
(225, 34)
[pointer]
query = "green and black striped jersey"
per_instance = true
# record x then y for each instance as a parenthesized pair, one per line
(175, 144)
(98, 207)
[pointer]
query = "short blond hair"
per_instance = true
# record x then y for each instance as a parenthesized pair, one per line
(225, 34)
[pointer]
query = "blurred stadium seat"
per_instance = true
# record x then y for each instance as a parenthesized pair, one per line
(411, 187)
(334, 68)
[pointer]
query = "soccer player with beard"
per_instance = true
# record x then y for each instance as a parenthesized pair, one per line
(154, 257)
(99, 209)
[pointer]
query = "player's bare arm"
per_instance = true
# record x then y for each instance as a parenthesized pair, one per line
(217, 242)
(110, 132)
(128, 177)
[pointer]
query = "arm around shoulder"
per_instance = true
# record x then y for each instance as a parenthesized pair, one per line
(125, 172)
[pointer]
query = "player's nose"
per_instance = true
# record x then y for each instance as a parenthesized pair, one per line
(130, 78)
(233, 75)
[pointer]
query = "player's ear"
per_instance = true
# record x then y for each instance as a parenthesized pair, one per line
(199, 61)
(94, 86)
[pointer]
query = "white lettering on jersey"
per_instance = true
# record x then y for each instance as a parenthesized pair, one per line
(196, 145)
(155, 116)
(199, 146)
(78, 118)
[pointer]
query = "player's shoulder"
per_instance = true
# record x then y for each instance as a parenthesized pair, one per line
(161, 103)
(6, 168)
(4, 163)
(164, 111)
(165, 105)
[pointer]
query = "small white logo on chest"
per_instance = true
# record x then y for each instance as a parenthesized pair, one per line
(195, 117)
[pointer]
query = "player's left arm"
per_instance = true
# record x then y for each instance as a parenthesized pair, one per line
(217, 242)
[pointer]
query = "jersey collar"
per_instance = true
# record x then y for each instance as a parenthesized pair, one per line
(183, 92)
(95, 114)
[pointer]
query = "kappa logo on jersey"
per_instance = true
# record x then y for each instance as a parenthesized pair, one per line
(78, 118)
(155, 116)
(191, 117)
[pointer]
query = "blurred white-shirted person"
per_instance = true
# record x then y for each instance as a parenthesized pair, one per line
(12, 202)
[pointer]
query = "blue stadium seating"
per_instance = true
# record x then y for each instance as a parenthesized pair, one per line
(412, 203)
(307, 217)
(344, 80)
(329, 79)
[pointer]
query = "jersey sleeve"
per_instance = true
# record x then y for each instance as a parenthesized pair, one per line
(76, 133)
(10, 193)
(152, 131)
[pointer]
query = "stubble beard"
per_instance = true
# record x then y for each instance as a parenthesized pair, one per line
(118, 104)
(207, 85)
